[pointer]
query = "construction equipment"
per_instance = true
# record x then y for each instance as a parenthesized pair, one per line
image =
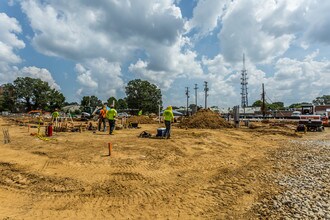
(309, 119)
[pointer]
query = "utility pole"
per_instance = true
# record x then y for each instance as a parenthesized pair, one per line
(263, 107)
(205, 90)
(196, 95)
(187, 94)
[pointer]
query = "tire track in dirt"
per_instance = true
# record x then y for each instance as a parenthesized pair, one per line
(14, 177)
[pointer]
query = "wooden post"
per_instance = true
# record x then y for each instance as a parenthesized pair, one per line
(110, 148)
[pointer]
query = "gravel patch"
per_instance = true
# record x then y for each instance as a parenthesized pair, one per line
(302, 170)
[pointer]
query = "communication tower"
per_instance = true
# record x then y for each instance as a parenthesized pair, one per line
(244, 93)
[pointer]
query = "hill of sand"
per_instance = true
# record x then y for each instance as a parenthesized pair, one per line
(205, 118)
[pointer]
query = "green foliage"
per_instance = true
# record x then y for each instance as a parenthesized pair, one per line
(143, 95)
(77, 112)
(297, 105)
(122, 104)
(8, 98)
(55, 100)
(24, 91)
(70, 103)
(91, 101)
(276, 106)
(323, 100)
(29, 93)
(257, 103)
(112, 100)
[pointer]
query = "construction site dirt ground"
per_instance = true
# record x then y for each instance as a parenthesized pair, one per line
(197, 174)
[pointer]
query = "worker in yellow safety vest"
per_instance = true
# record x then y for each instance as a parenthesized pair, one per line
(55, 115)
(168, 118)
(111, 116)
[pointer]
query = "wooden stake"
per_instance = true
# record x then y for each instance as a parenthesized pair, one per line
(110, 148)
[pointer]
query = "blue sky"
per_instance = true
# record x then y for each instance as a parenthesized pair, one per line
(96, 47)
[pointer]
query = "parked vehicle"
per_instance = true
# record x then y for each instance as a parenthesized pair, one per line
(309, 119)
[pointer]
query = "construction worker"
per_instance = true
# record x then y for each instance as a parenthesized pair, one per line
(168, 118)
(111, 116)
(55, 115)
(102, 118)
(140, 113)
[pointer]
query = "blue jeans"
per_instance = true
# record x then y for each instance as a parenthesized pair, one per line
(168, 129)
(112, 124)
(102, 121)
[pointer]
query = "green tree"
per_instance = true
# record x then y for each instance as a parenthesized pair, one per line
(8, 98)
(41, 94)
(70, 103)
(91, 101)
(276, 106)
(122, 104)
(37, 94)
(323, 100)
(297, 105)
(24, 91)
(257, 103)
(143, 95)
(55, 100)
(112, 100)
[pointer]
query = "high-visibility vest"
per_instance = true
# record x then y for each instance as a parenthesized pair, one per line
(111, 114)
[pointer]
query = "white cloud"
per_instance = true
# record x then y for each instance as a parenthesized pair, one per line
(112, 29)
(318, 17)
(245, 30)
(39, 73)
(99, 77)
(206, 15)
(299, 80)
(165, 64)
(9, 42)
(149, 40)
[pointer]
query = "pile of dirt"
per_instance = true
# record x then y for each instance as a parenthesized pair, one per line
(205, 118)
(141, 120)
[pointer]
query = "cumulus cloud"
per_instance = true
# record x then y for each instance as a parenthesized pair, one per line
(99, 77)
(224, 80)
(113, 41)
(113, 29)
(206, 15)
(300, 80)
(319, 22)
(164, 70)
(40, 73)
(9, 42)
(245, 30)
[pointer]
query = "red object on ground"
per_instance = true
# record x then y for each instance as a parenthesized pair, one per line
(49, 130)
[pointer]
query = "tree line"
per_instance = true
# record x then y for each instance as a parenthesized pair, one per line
(322, 100)
(26, 94)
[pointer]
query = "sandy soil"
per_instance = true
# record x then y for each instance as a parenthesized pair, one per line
(197, 174)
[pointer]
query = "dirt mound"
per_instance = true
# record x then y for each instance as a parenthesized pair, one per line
(141, 120)
(205, 119)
